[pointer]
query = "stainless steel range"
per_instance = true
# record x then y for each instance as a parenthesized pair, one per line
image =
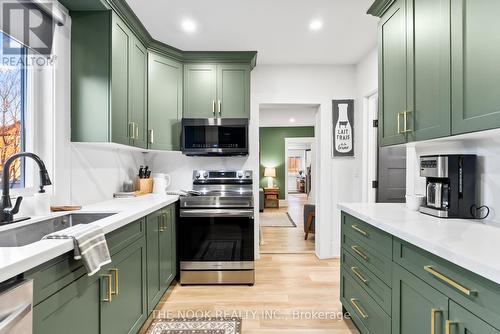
(216, 229)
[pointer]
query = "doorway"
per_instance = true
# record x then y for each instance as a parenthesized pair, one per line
(287, 140)
(385, 167)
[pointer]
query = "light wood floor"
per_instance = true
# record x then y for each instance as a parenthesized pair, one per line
(276, 240)
(289, 288)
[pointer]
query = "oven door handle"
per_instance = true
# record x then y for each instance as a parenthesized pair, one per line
(245, 213)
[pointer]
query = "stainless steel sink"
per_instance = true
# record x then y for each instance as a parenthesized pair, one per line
(28, 234)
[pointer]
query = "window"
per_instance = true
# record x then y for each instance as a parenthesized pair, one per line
(293, 164)
(13, 77)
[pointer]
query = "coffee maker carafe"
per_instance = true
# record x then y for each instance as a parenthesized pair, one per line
(450, 185)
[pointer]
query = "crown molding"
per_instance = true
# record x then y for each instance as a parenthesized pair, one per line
(379, 7)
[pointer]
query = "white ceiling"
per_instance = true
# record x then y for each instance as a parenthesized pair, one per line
(277, 29)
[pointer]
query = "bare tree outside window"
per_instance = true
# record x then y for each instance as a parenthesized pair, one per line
(12, 83)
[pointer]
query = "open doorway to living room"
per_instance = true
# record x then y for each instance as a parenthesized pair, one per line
(287, 211)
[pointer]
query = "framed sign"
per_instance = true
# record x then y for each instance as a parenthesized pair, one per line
(343, 128)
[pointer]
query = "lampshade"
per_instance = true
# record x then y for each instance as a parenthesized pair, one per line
(270, 172)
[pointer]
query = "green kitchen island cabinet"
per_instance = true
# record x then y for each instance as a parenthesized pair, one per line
(426, 294)
(164, 102)
(116, 300)
(216, 90)
(161, 250)
(108, 81)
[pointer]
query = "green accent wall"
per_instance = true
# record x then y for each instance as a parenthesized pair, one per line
(272, 151)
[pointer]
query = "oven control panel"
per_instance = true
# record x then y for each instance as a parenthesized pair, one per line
(222, 175)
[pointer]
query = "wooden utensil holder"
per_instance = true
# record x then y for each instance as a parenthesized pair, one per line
(145, 186)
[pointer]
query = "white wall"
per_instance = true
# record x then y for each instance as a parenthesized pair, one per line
(486, 145)
(280, 115)
(366, 85)
(302, 84)
(81, 173)
(180, 167)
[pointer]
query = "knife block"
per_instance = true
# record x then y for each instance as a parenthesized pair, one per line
(145, 186)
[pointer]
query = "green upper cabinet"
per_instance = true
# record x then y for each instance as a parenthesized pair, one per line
(233, 90)
(109, 81)
(416, 306)
(435, 72)
(164, 102)
(138, 72)
(475, 39)
(429, 87)
(200, 91)
(121, 42)
(216, 91)
(392, 75)
(462, 321)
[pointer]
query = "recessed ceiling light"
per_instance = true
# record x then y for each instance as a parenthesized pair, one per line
(316, 25)
(292, 120)
(188, 25)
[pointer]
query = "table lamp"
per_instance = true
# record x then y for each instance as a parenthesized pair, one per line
(270, 172)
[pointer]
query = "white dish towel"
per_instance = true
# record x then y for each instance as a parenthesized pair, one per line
(89, 245)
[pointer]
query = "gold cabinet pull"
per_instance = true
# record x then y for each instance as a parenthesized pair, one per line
(131, 130)
(358, 308)
(165, 221)
(151, 136)
(213, 107)
(359, 275)
(220, 108)
(449, 324)
(161, 228)
(433, 319)
(449, 281)
(359, 252)
(136, 131)
(405, 122)
(109, 296)
(115, 271)
(399, 123)
(360, 231)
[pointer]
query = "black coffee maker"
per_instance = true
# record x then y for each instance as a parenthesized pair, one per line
(450, 185)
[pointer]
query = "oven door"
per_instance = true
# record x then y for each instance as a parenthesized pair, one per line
(216, 239)
(214, 136)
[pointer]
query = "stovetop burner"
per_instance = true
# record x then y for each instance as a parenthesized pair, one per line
(221, 189)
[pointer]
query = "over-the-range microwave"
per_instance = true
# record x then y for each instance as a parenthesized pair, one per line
(214, 136)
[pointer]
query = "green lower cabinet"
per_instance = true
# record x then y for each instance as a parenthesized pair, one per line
(161, 246)
(127, 311)
(368, 316)
(74, 309)
(416, 306)
(464, 322)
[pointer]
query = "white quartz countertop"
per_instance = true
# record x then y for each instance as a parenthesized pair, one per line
(470, 244)
(16, 260)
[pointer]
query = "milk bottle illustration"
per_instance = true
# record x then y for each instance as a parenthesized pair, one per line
(343, 131)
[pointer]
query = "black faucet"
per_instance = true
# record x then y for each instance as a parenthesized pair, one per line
(7, 211)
